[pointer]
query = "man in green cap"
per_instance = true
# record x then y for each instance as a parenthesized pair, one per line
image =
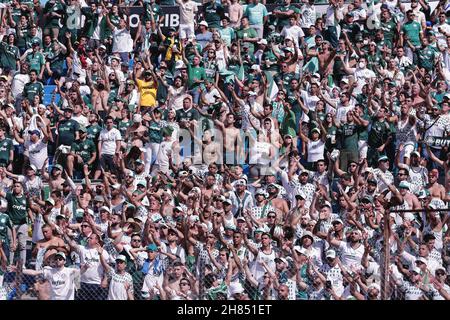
(83, 152)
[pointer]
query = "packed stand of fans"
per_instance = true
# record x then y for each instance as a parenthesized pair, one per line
(240, 155)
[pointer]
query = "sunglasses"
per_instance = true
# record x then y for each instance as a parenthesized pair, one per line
(271, 217)
(84, 225)
(60, 258)
(184, 284)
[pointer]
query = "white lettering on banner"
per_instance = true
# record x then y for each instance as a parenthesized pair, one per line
(134, 20)
(170, 20)
(73, 19)
(174, 20)
(437, 141)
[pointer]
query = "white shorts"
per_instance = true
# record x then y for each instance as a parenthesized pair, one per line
(187, 30)
(362, 147)
(406, 152)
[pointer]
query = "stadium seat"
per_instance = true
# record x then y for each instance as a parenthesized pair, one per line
(47, 99)
(48, 89)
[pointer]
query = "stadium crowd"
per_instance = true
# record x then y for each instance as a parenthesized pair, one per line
(296, 153)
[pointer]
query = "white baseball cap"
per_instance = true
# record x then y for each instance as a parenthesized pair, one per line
(300, 250)
(106, 209)
(416, 270)
(422, 259)
(282, 260)
(203, 23)
(137, 118)
(236, 287)
(374, 286)
(262, 41)
(180, 65)
(121, 257)
(331, 254)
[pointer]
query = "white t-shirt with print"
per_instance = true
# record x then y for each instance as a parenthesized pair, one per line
(351, 257)
(117, 290)
(94, 272)
(108, 139)
(62, 282)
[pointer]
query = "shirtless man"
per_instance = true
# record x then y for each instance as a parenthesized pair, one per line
(50, 244)
(207, 191)
(410, 198)
(415, 95)
(55, 180)
(231, 134)
(136, 130)
(445, 165)
(83, 196)
(280, 205)
(177, 274)
(325, 55)
(100, 94)
(5, 181)
(436, 189)
(259, 88)
(290, 57)
(211, 149)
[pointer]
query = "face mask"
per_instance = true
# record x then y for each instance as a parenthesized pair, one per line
(366, 42)
(361, 65)
(99, 10)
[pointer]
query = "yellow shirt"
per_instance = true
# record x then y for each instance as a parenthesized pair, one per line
(170, 53)
(148, 92)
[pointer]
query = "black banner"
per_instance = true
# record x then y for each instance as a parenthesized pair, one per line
(438, 141)
(172, 15)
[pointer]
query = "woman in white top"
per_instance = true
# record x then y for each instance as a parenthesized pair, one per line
(315, 145)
